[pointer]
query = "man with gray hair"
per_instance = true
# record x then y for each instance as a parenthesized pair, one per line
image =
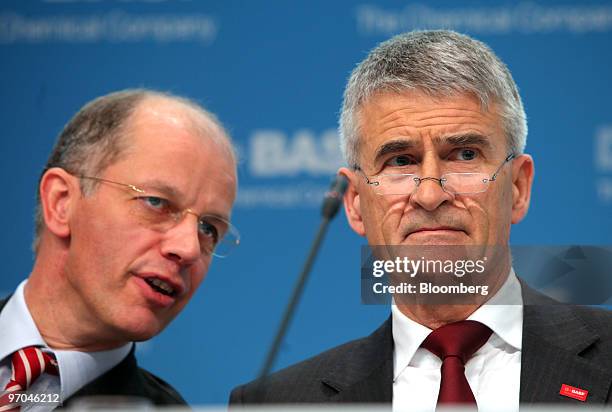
(132, 205)
(433, 131)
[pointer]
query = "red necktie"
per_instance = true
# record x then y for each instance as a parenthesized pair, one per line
(27, 364)
(455, 344)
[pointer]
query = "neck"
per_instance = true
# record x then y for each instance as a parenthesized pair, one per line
(61, 317)
(434, 315)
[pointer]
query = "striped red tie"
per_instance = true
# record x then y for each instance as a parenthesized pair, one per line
(28, 364)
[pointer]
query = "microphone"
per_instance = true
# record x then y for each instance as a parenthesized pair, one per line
(333, 197)
(329, 209)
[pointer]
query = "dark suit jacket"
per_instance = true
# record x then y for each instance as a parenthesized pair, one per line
(127, 379)
(562, 344)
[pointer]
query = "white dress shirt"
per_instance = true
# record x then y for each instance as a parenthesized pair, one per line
(493, 372)
(76, 369)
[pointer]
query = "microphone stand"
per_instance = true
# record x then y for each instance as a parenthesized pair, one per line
(330, 207)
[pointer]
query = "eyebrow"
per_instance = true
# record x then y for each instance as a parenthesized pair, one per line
(403, 144)
(163, 187)
(393, 146)
(465, 139)
(222, 218)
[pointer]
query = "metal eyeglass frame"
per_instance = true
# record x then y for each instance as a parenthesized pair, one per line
(440, 180)
(176, 216)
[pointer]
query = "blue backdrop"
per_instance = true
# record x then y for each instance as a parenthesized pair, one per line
(274, 72)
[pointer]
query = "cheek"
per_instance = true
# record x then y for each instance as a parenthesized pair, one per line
(490, 215)
(479, 221)
(501, 205)
(197, 273)
(387, 222)
(106, 230)
(369, 212)
(128, 243)
(113, 248)
(194, 279)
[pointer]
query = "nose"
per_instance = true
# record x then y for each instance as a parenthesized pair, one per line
(181, 243)
(429, 194)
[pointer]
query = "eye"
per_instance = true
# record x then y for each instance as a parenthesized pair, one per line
(465, 154)
(154, 202)
(400, 161)
(208, 230)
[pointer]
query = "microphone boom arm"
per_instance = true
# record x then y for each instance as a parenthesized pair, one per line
(330, 207)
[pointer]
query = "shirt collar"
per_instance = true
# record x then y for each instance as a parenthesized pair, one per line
(408, 336)
(17, 326)
(503, 314)
(76, 368)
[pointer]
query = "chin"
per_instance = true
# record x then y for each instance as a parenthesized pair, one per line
(143, 335)
(139, 329)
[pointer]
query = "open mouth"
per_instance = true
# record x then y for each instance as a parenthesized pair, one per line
(160, 286)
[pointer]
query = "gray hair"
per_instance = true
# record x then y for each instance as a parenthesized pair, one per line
(439, 63)
(95, 137)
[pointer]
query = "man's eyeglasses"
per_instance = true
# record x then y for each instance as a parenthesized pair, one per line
(454, 183)
(216, 235)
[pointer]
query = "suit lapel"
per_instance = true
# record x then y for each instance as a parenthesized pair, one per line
(553, 339)
(3, 303)
(374, 388)
(366, 373)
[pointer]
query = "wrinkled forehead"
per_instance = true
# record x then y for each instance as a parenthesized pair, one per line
(394, 120)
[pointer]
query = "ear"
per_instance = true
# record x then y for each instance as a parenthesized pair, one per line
(58, 193)
(522, 179)
(352, 205)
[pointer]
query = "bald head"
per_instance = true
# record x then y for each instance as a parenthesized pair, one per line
(182, 113)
